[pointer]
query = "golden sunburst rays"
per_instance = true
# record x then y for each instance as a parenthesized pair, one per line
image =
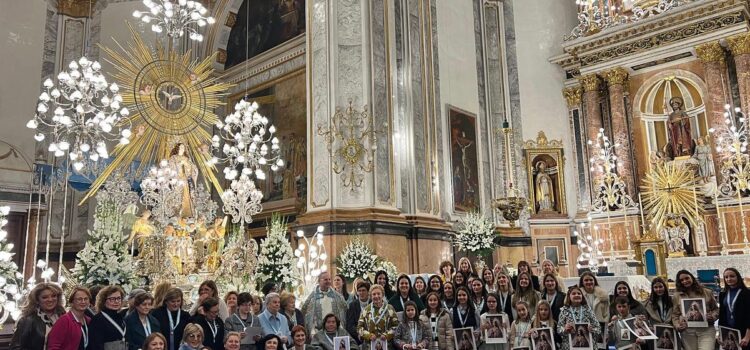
(671, 189)
(171, 99)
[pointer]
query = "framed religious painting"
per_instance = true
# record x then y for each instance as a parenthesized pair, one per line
(545, 169)
(553, 249)
(464, 159)
(666, 337)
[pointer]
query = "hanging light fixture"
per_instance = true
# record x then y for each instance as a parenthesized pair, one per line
(242, 200)
(175, 17)
(162, 191)
(249, 143)
(10, 278)
(80, 112)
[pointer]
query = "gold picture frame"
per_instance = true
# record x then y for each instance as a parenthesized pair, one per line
(550, 153)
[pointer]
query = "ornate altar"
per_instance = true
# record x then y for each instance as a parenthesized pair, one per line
(545, 166)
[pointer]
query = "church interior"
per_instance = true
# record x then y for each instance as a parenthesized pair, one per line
(243, 142)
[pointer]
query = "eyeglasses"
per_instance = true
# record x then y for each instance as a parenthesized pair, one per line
(114, 299)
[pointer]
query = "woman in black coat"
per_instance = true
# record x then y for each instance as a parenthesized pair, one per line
(172, 319)
(734, 305)
(107, 326)
(43, 307)
(523, 266)
(213, 326)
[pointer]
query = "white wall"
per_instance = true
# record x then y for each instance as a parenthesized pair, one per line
(21, 46)
(114, 26)
(458, 71)
(540, 26)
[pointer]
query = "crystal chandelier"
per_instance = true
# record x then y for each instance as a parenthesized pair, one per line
(595, 16)
(249, 143)
(80, 113)
(10, 278)
(591, 256)
(312, 257)
(175, 17)
(242, 200)
(162, 190)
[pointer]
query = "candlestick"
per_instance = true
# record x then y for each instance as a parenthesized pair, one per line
(643, 218)
(627, 236)
(702, 246)
(722, 225)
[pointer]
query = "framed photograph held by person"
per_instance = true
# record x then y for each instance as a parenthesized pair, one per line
(378, 344)
(341, 343)
(666, 338)
(581, 338)
(640, 328)
(729, 338)
(544, 339)
(464, 339)
(694, 312)
(496, 333)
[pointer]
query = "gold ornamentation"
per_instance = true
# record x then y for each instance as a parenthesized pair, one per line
(644, 44)
(590, 82)
(671, 189)
(168, 96)
(573, 96)
(616, 76)
(221, 56)
(739, 44)
(75, 8)
(710, 52)
(542, 142)
(351, 141)
(231, 20)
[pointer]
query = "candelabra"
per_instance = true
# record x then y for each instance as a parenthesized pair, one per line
(513, 203)
(162, 191)
(312, 257)
(731, 144)
(80, 112)
(175, 17)
(591, 256)
(610, 192)
(249, 143)
(242, 200)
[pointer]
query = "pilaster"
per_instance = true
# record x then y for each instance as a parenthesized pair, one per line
(616, 81)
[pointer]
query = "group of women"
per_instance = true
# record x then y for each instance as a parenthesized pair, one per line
(410, 314)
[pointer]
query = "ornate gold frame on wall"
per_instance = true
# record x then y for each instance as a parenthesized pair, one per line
(650, 241)
(554, 150)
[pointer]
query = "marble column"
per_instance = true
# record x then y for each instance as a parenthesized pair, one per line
(592, 114)
(739, 45)
(712, 56)
(573, 97)
(29, 256)
(616, 81)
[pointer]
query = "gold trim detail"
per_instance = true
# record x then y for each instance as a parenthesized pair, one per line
(590, 82)
(710, 52)
(76, 8)
(739, 44)
(542, 142)
(573, 96)
(616, 76)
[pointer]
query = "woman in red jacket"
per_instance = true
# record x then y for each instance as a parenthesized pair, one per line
(71, 332)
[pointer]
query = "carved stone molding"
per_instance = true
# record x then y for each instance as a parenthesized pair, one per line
(76, 8)
(542, 142)
(573, 96)
(589, 82)
(710, 52)
(739, 44)
(616, 76)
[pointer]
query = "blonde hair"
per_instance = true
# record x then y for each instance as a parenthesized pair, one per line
(232, 334)
(160, 292)
(32, 300)
(377, 286)
(191, 328)
(536, 323)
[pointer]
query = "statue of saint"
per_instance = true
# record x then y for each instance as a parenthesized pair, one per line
(680, 138)
(702, 154)
(677, 235)
(186, 171)
(544, 192)
(142, 228)
(215, 243)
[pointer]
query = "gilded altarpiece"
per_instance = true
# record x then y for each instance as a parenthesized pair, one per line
(545, 166)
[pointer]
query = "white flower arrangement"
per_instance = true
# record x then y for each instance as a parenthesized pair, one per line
(276, 261)
(476, 234)
(389, 268)
(11, 279)
(105, 259)
(356, 260)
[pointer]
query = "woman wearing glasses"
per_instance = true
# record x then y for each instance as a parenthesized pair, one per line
(71, 331)
(192, 338)
(108, 326)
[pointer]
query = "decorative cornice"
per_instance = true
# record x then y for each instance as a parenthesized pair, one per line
(616, 76)
(542, 142)
(573, 96)
(739, 44)
(710, 52)
(76, 8)
(590, 82)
